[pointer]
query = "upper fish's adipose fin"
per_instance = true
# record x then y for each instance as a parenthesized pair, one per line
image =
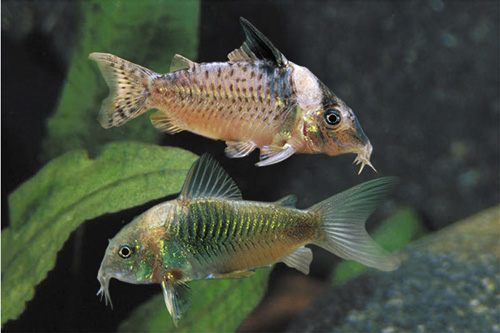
(257, 47)
(179, 63)
(344, 217)
(207, 179)
(237, 149)
(288, 201)
(299, 259)
(177, 297)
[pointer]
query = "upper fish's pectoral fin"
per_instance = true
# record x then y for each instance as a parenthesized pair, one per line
(237, 149)
(275, 154)
(207, 179)
(177, 298)
(257, 47)
(164, 123)
(288, 201)
(233, 275)
(179, 63)
(299, 259)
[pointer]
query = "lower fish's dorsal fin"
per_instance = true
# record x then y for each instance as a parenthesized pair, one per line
(299, 259)
(233, 275)
(207, 179)
(177, 297)
(164, 123)
(288, 201)
(237, 149)
(179, 63)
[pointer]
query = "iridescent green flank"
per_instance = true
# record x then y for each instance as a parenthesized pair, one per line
(210, 232)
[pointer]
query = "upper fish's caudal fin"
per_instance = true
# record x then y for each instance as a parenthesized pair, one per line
(129, 89)
(344, 217)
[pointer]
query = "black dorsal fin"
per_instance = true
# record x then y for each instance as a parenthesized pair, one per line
(257, 47)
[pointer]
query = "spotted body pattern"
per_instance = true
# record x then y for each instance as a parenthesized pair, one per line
(258, 99)
(210, 232)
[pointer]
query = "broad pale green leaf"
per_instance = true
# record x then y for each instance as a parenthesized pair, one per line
(218, 306)
(69, 190)
(394, 233)
(147, 32)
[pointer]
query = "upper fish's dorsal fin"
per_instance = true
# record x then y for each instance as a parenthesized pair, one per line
(207, 179)
(288, 201)
(257, 47)
(179, 62)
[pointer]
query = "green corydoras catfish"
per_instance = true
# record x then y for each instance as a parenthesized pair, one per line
(209, 232)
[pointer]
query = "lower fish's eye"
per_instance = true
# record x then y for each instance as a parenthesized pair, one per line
(332, 117)
(125, 251)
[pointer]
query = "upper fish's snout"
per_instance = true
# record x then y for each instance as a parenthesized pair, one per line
(103, 279)
(364, 149)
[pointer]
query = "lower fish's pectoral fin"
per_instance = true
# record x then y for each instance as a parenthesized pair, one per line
(275, 154)
(164, 123)
(177, 298)
(233, 275)
(299, 259)
(237, 149)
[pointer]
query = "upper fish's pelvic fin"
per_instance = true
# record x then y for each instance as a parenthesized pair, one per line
(274, 154)
(177, 297)
(257, 47)
(207, 179)
(179, 63)
(237, 149)
(299, 259)
(129, 89)
(344, 217)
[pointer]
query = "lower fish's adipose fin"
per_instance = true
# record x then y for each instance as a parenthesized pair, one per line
(237, 149)
(177, 298)
(344, 217)
(129, 89)
(274, 154)
(299, 259)
(164, 123)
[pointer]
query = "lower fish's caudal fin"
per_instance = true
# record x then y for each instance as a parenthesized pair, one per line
(129, 89)
(344, 217)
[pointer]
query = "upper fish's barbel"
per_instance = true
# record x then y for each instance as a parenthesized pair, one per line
(258, 99)
(210, 232)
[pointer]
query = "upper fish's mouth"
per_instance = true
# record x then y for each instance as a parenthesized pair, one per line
(104, 281)
(364, 157)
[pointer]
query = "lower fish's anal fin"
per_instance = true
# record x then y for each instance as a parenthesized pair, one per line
(233, 275)
(299, 259)
(177, 298)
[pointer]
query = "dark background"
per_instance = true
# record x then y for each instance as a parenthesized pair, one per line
(422, 77)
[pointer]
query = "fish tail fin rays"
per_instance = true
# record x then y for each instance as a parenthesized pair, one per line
(129, 89)
(177, 298)
(343, 226)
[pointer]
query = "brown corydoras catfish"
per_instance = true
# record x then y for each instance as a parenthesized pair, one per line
(258, 99)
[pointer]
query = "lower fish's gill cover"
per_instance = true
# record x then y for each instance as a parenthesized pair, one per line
(210, 232)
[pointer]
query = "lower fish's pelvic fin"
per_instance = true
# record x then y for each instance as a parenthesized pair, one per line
(344, 217)
(177, 298)
(233, 275)
(129, 89)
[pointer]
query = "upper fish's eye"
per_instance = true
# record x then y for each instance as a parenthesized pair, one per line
(332, 117)
(125, 251)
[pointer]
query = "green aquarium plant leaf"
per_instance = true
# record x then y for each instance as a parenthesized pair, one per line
(147, 32)
(397, 231)
(218, 306)
(69, 190)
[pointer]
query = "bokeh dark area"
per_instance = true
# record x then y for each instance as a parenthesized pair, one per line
(422, 77)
